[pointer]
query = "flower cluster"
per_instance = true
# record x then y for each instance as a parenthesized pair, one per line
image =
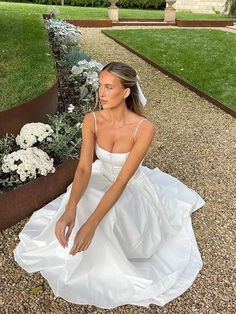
(65, 35)
(32, 133)
(27, 163)
(60, 139)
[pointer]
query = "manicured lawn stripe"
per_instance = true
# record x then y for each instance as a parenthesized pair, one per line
(26, 64)
(205, 58)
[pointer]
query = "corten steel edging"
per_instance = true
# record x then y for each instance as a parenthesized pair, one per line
(141, 20)
(34, 110)
(204, 23)
(21, 202)
(127, 23)
(90, 23)
(178, 79)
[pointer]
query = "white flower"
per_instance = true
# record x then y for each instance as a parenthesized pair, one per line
(32, 133)
(79, 125)
(71, 108)
(27, 163)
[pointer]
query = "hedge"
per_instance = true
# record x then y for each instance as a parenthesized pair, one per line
(141, 4)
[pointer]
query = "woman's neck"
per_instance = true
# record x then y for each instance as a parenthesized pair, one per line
(117, 116)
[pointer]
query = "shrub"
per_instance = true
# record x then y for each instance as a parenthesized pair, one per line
(230, 7)
(75, 55)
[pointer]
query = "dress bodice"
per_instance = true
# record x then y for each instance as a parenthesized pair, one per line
(111, 163)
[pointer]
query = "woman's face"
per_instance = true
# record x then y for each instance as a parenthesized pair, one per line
(111, 92)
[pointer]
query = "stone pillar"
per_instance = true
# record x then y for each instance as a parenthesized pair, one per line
(170, 12)
(113, 11)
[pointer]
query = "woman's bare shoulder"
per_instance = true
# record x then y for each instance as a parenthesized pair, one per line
(147, 124)
(88, 122)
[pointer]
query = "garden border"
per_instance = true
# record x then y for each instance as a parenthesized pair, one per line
(90, 23)
(34, 110)
(178, 23)
(177, 78)
(21, 202)
(204, 23)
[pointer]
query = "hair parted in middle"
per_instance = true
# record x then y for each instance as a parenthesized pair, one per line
(128, 78)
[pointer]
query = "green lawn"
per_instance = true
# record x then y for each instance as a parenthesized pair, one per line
(26, 64)
(205, 58)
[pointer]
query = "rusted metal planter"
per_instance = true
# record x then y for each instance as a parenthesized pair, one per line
(204, 23)
(34, 110)
(90, 23)
(21, 202)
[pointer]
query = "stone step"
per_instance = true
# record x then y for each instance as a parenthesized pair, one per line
(232, 26)
(141, 23)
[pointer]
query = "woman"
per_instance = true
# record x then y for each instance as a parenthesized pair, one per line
(122, 232)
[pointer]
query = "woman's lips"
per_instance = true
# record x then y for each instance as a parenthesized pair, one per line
(103, 101)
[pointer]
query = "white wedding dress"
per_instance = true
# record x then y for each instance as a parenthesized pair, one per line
(143, 251)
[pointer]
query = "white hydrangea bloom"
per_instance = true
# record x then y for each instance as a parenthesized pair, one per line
(32, 133)
(27, 163)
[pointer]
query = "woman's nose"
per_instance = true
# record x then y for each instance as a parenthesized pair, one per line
(101, 91)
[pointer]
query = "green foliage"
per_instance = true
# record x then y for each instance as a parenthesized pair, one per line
(142, 4)
(7, 145)
(66, 139)
(75, 55)
(230, 7)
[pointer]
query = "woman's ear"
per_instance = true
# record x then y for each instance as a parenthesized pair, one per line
(127, 92)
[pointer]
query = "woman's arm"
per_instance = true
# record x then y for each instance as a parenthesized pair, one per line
(80, 182)
(143, 140)
(84, 168)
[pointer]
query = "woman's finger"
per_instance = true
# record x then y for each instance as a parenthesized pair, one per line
(74, 248)
(57, 232)
(68, 233)
(82, 247)
(86, 247)
(61, 233)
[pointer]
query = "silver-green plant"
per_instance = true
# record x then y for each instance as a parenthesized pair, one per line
(64, 35)
(84, 77)
(66, 138)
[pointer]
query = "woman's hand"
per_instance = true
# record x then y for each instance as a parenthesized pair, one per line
(83, 237)
(66, 221)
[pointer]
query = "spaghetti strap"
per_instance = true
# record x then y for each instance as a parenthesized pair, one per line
(136, 130)
(95, 122)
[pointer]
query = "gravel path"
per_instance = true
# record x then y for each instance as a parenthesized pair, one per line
(196, 142)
